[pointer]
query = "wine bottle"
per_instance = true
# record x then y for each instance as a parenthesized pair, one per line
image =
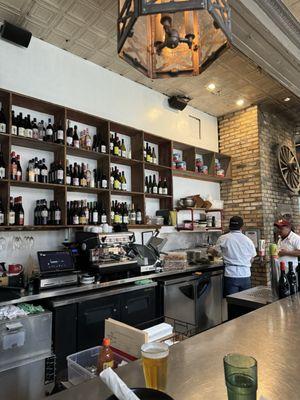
(14, 128)
(95, 214)
(68, 174)
(138, 216)
(160, 187)
(36, 170)
(76, 138)
(42, 131)
(146, 189)
(132, 215)
(116, 146)
(102, 146)
(145, 152)
(117, 181)
(2, 214)
(21, 128)
(75, 214)
(43, 172)
(2, 121)
(35, 129)
(59, 134)
(103, 217)
(2, 164)
(149, 154)
(165, 187)
(112, 212)
(123, 181)
(69, 135)
(103, 181)
(49, 132)
(154, 157)
(30, 171)
(28, 127)
(13, 166)
(150, 184)
(19, 169)
(60, 174)
(111, 143)
(11, 212)
(291, 276)
(154, 185)
(284, 286)
(19, 211)
(125, 217)
(123, 149)
(44, 213)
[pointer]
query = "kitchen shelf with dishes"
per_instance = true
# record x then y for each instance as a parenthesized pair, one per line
(112, 160)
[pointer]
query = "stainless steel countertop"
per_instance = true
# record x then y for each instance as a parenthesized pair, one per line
(270, 334)
(256, 297)
(69, 290)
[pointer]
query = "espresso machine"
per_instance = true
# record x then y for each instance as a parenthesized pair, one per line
(105, 256)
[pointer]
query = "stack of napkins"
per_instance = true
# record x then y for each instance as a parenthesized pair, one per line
(158, 332)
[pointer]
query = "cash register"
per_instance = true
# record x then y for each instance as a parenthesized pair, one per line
(57, 269)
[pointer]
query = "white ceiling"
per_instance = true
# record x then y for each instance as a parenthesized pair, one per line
(87, 28)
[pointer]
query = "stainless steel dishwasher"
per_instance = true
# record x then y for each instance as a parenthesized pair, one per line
(194, 299)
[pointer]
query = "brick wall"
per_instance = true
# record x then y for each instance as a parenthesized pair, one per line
(256, 191)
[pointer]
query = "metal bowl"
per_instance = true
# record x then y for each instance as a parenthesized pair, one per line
(187, 202)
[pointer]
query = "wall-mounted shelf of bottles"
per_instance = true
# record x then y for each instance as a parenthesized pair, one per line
(93, 170)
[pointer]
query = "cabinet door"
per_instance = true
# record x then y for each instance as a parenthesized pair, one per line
(138, 307)
(91, 317)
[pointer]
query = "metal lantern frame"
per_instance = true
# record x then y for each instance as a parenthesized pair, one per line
(131, 10)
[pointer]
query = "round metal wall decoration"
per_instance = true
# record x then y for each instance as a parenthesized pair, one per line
(289, 168)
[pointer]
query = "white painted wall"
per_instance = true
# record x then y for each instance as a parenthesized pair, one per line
(49, 73)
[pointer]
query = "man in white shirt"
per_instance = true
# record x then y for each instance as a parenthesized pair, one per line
(288, 243)
(238, 252)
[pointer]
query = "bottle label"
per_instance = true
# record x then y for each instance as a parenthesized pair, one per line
(60, 174)
(57, 215)
(119, 152)
(2, 128)
(31, 176)
(103, 148)
(160, 190)
(75, 220)
(14, 130)
(75, 181)
(108, 364)
(154, 160)
(154, 190)
(44, 213)
(83, 182)
(125, 219)
(146, 189)
(92, 183)
(44, 172)
(104, 183)
(21, 131)
(124, 186)
(95, 217)
(138, 217)
(103, 219)
(112, 181)
(2, 172)
(49, 132)
(1, 218)
(69, 140)
(68, 180)
(19, 175)
(148, 158)
(112, 216)
(11, 218)
(165, 191)
(116, 185)
(87, 215)
(82, 220)
(60, 134)
(116, 150)
(21, 219)
(76, 144)
(117, 219)
(35, 133)
(111, 146)
(123, 153)
(28, 133)
(88, 142)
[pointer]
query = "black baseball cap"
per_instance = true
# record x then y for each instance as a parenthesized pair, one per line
(235, 222)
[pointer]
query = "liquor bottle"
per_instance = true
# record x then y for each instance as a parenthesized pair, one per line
(88, 140)
(291, 276)
(165, 187)
(20, 124)
(44, 213)
(2, 215)
(123, 181)
(123, 149)
(138, 216)
(284, 286)
(28, 127)
(116, 146)
(146, 185)
(154, 185)
(14, 128)
(60, 174)
(154, 157)
(42, 130)
(160, 187)
(69, 135)
(95, 214)
(2, 164)
(132, 215)
(59, 134)
(43, 172)
(2, 121)
(13, 166)
(49, 132)
(35, 129)
(11, 212)
(76, 142)
(19, 211)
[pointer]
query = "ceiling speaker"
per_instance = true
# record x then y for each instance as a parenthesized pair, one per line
(15, 34)
(178, 102)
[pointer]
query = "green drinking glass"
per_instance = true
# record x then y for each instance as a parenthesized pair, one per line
(240, 377)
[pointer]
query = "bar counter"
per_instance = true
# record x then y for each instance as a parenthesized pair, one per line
(270, 334)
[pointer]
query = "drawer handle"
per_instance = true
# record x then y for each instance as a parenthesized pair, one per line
(126, 307)
(14, 326)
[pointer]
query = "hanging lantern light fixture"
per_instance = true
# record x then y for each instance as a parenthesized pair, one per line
(167, 38)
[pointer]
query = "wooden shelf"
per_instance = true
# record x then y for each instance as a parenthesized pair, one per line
(31, 227)
(198, 176)
(143, 226)
(157, 196)
(125, 161)
(86, 189)
(35, 144)
(37, 185)
(93, 155)
(125, 193)
(156, 167)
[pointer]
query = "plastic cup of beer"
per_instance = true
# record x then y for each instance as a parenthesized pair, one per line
(240, 376)
(155, 365)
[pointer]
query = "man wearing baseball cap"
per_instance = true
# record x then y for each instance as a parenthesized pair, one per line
(238, 252)
(288, 243)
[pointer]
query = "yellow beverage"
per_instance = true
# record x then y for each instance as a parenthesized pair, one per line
(155, 365)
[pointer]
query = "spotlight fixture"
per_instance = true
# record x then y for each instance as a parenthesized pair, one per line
(167, 38)
(240, 102)
(287, 99)
(211, 87)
